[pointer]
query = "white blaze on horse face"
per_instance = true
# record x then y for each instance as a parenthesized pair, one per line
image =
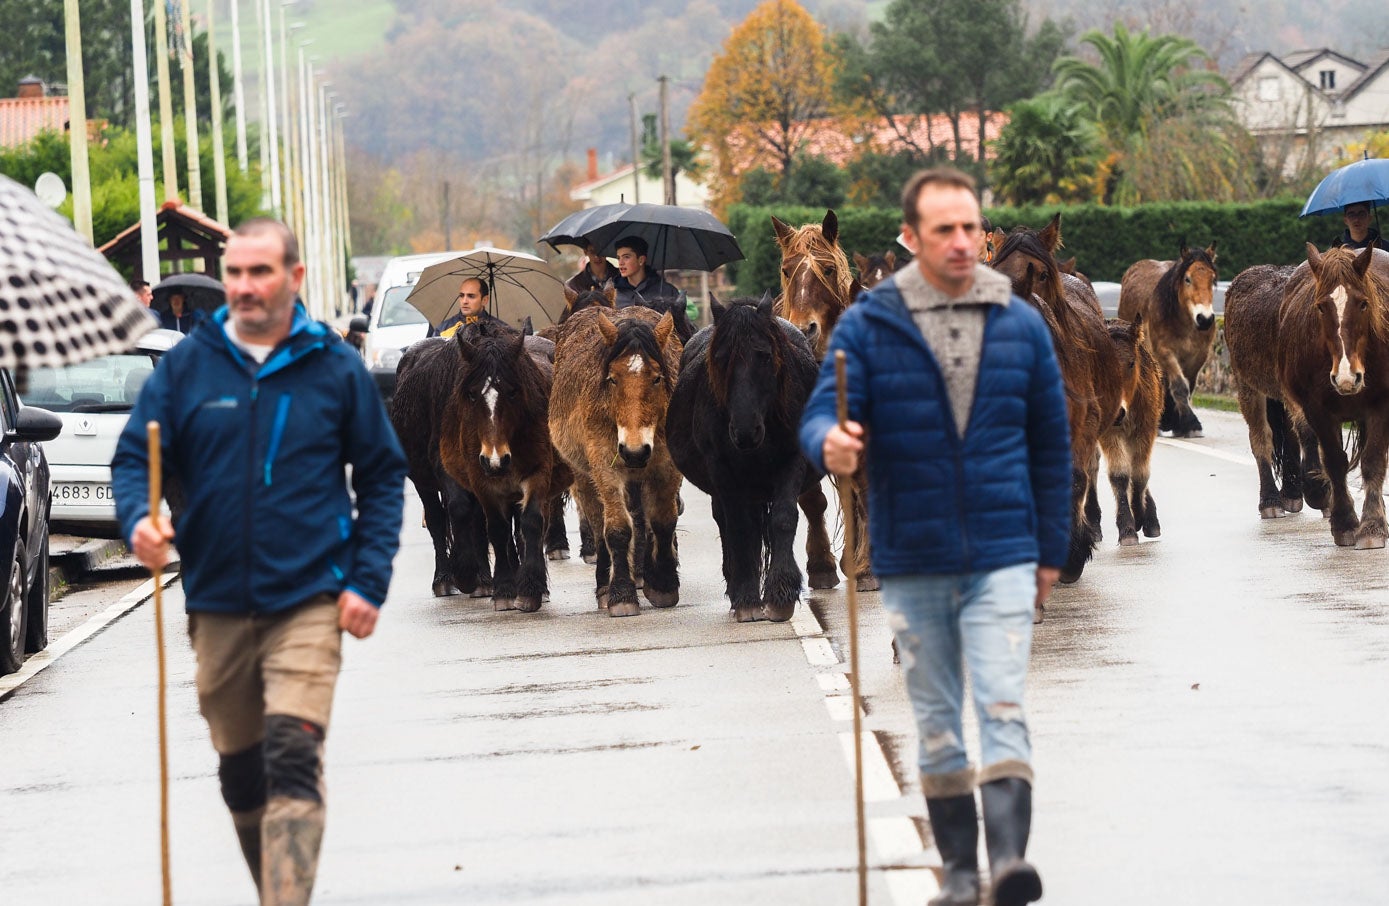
(635, 364)
(1344, 375)
(489, 394)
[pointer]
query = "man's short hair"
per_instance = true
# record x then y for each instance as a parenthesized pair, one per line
(1358, 204)
(138, 285)
(260, 226)
(635, 243)
(937, 176)
(483, 289)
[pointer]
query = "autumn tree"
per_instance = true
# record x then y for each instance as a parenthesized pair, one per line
(762, 93)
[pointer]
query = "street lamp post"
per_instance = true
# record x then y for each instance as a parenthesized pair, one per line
(144, 148)
(238, 91)
(271, 117)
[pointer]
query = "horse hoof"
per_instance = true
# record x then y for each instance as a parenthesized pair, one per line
(780, 613)
(1127, 540)
(1271, 512)
(623, 608)
(1152, 531)
(1326, 513)
(1370, 543)
(1039, 614)
(662, 598)
(1292, 504)
(443, 588)
(528, 603)
(750, 613)
(1070, 577)
(482, 591)
(602, 596)
(590, 559)
(868, 582)
(824, 579)
(559, 553)
(504, 604)
(1344, 539)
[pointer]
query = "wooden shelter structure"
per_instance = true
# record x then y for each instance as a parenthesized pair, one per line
(187, 234)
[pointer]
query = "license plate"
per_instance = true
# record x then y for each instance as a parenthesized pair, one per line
(83, 493)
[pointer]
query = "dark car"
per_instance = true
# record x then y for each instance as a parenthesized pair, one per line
(23, 526)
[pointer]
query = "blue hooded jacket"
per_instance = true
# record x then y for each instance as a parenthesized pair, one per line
(939, 503)
(261, 453)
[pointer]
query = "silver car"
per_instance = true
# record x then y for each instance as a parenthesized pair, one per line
(94, 400)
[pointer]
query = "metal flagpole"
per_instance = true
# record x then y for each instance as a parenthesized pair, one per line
(238, 92)
(144, 148)
(166, 101)
(77, 119)
(271, 117)
(264, 105)
(219, 151)
(190, 107)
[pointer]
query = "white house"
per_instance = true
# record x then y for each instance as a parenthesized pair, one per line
(1307, 106)
(619, 186)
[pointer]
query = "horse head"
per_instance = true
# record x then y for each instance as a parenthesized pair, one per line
(576, 301)
(1128, 346)
(1192, 281)
(637, 382)
(1024, 247)
(1350, 305)
(492, 393)
(874, 269)
(816, 282)
(744, 367)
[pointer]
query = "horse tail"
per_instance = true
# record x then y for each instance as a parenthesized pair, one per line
(1281, 430)
(1357, 444)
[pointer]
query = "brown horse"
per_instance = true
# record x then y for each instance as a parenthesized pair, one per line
(495, 441)
(816, 287)
(1176, 300)
(1128, 443)
(1333, 364)
(1284, 447)
(874, 269)
(614, 374)
(1088, 362)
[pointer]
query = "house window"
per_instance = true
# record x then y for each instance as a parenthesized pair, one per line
(1269, 88)
(1328, 79)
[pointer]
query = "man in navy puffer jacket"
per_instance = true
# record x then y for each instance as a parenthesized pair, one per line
(955, 394)
(261, 409)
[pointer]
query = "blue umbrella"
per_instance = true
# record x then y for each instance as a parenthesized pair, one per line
(1364, 180)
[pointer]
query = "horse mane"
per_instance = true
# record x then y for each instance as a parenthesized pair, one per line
(733, 340)
(635, 336)
(1168, 304)
(809, 241)
(1029, 242)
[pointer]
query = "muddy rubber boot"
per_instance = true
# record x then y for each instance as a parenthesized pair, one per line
(955, 825)
(1007, 821)
(247, 826)
(292, 834)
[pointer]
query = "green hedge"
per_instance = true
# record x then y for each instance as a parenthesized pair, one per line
(1105, 240)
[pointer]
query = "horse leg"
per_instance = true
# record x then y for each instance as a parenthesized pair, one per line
(641, 539)
(1343, 519)
(588, 551)
(531, 578)
(1372, 532)
(1141, 499)
(1116, 453)
(818, 555)
(590, 507)
(741, 538)
(618, 539)
(436, 520)
(781, 586)
(500, 533)
(863, 555)
(1287, 456)
(662, 578)
(1093, 516)
(1082, 539)
(1169, 420)
(556, 535)
(465, 524)
(1255, 407)
(1186, 422)
(1316, 484)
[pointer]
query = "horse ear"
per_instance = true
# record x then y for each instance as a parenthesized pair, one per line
(1362, 260)
(1137, 326)
(610, 291)
(860, 262)
(1210, 251)
(1068, 266)
(465, 349)
(1051, 236)
(607, 329)
(1000, 237)
(569, 297)
(891, 259)
(527, 328)
(766, 306)
(1313, 258)
(830, 226)
(783, 231)
(1182, 250)
(664, 328)
(716, 308)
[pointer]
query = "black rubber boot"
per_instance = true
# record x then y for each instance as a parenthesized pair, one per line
(955, 824)
(1007, 820)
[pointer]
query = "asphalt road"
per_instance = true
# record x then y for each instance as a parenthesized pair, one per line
(1203, 707)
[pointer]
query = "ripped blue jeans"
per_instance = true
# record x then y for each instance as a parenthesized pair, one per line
(945, 623)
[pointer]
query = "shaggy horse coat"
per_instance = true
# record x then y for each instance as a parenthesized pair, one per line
(1284, 447)
(1128, 443)
(1333, 364)
(732, 427)
(614, 374)
(1175, 299)
(816, 287)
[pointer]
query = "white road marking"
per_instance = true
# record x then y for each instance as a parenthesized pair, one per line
(878, 783)
(1236, 458)
(819, 652)
(41, 661)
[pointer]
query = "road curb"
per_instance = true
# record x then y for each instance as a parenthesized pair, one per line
(67, 567)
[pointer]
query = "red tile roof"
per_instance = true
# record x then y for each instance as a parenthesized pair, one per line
(22, 119)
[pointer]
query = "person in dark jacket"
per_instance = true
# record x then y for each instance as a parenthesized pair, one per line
(955, 398)
(595, 273)
(637, 284)
(473, 296)
(179, 316)
(1358, 233)
(260, 409)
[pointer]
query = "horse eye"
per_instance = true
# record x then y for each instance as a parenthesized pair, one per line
(612, 380)
(1364, 304)
(656, 380)
(1187, 279)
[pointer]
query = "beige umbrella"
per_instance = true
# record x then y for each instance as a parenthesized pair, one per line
(522, 286)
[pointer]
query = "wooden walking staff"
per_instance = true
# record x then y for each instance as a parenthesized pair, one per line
(156, 493)
(846, 504)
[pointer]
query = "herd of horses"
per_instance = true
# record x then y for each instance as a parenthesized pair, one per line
(615, 408)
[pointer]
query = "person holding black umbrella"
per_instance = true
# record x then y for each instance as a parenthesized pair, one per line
(179, 316)
(1358, 233)
(595, 274)
(637, 284)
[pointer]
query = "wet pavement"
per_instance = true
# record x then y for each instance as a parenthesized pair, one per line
(1203, 707)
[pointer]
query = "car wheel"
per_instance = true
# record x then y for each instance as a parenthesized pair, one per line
(13, 614)
(36, 634)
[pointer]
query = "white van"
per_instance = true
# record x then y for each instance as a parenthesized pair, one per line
(394, 323)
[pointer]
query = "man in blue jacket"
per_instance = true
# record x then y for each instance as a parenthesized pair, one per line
(260, 410)
(956, 399)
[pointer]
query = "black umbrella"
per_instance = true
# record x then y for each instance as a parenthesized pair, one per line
(572, 229)
(677, 238)
(200, 293)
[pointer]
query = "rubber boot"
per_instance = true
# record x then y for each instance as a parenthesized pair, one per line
(292, 834)
(955, 825)
(1007, 821)
(247, 826)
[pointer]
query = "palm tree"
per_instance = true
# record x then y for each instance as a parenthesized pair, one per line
(684, 158)
(1046, 154)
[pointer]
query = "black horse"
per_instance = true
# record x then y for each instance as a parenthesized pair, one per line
(732, 429)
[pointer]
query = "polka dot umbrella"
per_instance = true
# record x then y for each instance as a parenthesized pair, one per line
(61, 302)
